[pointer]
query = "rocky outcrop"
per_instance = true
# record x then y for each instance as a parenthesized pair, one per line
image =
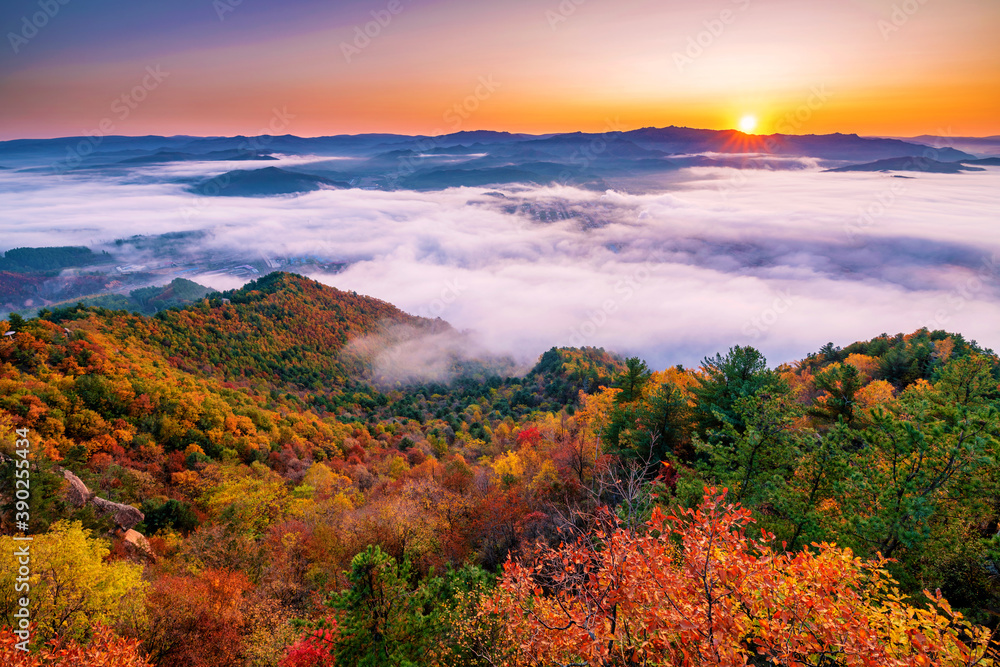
(133, 543)
(78, 494)
(137, 546)
(125, 516)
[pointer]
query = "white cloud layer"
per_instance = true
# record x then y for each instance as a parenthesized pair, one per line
(783, 260)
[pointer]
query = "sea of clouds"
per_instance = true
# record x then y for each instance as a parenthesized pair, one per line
(783, 260)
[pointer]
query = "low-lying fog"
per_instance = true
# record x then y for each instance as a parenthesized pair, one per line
(783, 260)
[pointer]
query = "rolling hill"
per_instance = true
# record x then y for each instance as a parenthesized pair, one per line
(919, 164)
(264, 182)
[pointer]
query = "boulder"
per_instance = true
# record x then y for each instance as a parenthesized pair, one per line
(137, 546)
(78, 493)
(125, 516)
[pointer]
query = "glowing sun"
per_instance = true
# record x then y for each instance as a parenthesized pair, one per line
(748, 123)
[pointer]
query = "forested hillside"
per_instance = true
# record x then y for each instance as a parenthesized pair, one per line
(299, 510)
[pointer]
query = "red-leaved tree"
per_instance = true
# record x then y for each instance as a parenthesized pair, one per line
(694, 590)
(314, 649)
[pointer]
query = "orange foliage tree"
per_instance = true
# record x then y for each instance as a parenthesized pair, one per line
(696, 590)
(197, 621)
(105, 649)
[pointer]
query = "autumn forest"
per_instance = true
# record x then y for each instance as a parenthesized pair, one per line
(238, 483)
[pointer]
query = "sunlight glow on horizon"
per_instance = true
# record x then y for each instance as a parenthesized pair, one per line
(423, 72)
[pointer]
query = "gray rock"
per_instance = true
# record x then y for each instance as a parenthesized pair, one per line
(125, 516)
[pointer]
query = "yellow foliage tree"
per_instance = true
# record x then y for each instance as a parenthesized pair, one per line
(545, 479)
(866, 365)
(72, 588)
(874, 393)
(595, 411)
(193, 449)
(325, 481)
(249, 502)
(187, 480)
(681, 378)
(509, 467)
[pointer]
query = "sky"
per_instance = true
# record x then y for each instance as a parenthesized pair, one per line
(227, 67)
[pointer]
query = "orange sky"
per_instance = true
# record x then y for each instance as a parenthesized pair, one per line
(526, 65)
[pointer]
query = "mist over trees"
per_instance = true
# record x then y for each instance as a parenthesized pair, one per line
(841, 509)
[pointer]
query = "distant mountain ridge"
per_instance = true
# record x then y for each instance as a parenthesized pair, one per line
(461, 159)
(919, 164)
(669, 140)
(177, 156)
